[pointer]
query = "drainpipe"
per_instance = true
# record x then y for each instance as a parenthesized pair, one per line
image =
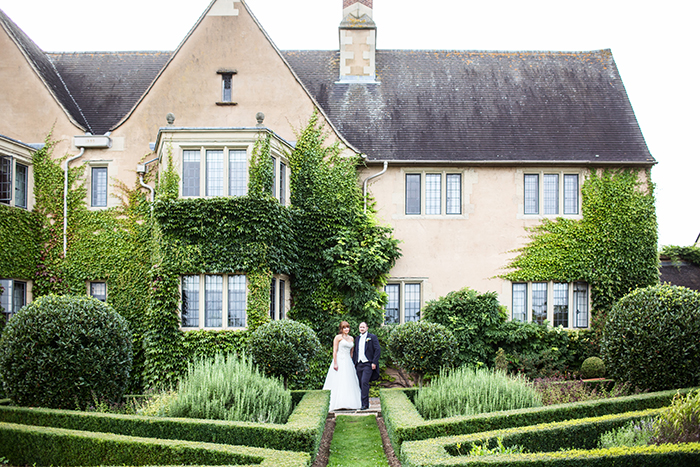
(65, 201)
(142, 169)
(364, 185)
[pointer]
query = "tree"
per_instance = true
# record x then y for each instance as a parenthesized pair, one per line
(421, 347)
(283, 348)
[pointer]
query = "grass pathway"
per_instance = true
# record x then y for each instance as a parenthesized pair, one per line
(357, 443)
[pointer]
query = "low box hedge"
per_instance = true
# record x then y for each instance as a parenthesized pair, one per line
(573, 442)
(33, 445)
(302, 432)
(404, 423)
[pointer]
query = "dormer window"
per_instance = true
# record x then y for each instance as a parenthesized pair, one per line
(226, 87)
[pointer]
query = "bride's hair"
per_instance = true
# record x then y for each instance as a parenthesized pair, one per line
(342, 325)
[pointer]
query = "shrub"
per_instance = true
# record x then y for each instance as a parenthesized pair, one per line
(420, 347)
(652, 338)
(478, 317)
(592, 367)
(229, 388)
(634, 433)
(469, 391)
(680, 423)
(283, 348)
(557, 390)
(64, 351)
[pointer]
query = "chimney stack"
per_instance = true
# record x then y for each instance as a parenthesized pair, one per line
(358, 42)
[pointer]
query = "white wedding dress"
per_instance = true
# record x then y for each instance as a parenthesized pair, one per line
(343, 384)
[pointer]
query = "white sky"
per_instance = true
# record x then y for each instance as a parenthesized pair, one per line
(654, 46)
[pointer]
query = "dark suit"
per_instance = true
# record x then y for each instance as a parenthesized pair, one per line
(365, 374)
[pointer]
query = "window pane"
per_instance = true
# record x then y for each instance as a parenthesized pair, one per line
(19, 296)
(412, 193)
(236, 301)
(570, 194)
(274, 178)
(454, 194)
(532, 194)
(213, 300)
(551, 194)
(273, 298)
(190, 301)
(226, 85)
(21, 177)
(6, 297)
(520, 302)
(580, 305)
(412, 302)
(283, 183)
(282, 298)
(432, 193)
(215, 173)
(99, 186)
(5, 179)
(237, 170)
(99, 290)
(391, 310)
(561, 304)
(539, 302)
(190, 173)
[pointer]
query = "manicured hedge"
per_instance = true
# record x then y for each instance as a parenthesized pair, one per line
(302, 432)
(32, 445)
(404, 423)
(544, 444)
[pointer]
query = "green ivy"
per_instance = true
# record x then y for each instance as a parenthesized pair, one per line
(343, 255)
(613, 246)
(686, 253)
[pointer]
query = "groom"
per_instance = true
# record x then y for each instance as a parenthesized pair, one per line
(366, 360)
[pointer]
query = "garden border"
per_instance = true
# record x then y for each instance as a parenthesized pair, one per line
(302, 432)
(404, 423)
(37, 445)
(582, 434)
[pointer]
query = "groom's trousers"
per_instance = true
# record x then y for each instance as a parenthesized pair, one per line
(364, 374)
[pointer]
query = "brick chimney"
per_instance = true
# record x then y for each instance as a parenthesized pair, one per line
(358, 42)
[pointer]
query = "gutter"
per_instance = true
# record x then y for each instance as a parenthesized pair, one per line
(65, 200)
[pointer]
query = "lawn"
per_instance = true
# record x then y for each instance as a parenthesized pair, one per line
(357, 442)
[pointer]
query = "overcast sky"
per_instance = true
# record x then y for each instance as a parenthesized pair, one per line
(654, 46)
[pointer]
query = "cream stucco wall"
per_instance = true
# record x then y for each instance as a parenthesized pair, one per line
(447, 252)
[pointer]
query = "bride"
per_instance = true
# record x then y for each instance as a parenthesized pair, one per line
(342, 379)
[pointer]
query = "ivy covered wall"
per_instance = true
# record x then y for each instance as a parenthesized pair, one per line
(613, 246)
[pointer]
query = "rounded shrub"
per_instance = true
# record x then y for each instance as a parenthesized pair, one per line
(652, 338)
(420, 347)
(65, 352)
(283, 348)
(592, 367)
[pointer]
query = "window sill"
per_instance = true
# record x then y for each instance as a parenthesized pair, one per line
(227, 103)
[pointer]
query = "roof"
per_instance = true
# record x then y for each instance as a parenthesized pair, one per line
(681, 273)
(106, 85)
(440, 105)
(45, 70)
(427, 106)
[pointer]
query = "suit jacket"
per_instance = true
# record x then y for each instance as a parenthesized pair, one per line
(372, 352)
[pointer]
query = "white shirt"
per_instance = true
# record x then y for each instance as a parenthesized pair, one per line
(361, 351)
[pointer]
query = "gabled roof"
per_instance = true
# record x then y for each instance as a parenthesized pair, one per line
(45, 70)
(106, 85)
(490, 107)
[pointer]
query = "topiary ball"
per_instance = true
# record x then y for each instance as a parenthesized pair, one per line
(65, 352)
(592, 367)
(283, 348)
(652, 338)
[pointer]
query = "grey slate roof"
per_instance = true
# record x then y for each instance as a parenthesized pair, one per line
(427, 106)
(45, 69)
(481, 106)
(106, 85)
(682, 273)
